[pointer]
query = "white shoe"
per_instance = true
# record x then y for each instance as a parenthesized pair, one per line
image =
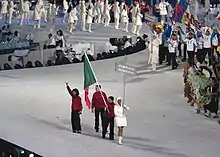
(120, 140)
(34, 26)
(90, 31)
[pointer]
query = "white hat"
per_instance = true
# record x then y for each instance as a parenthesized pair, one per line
(119, 98)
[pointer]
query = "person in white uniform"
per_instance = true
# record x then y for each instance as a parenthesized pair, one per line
(124, 18)
(11, 10)
(120, 118)
(154, 49)
(121, 8)
(83, 15)
(163, 10)
(43, 10)
(65, 8)
(116, 10)
(37, 14)
(134, 11)
(101, 7)
(138, 22)
(71, 17)
(107, 13)
(4, 9)
(89, 18)
(26, 4)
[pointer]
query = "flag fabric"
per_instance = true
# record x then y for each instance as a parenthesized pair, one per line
(89, 79)
(218, 16)
(180, 10)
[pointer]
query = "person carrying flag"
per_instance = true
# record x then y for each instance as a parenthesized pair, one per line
(99, 100)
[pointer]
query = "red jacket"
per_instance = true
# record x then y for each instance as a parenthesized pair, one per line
(110, 110)
(76, 101)
(97, 100)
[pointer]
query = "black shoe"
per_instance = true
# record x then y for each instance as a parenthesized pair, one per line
(96, 130)
(111, 138)
(74, 131)
(79, 131)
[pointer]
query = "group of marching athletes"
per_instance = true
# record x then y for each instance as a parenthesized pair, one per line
(112, 113)
(99, 12)
(196, 40)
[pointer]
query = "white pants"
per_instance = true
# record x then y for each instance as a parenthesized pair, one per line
(125, 26)
(116, 23)
(24, 16)
(37, 24)
(154, 66)
(10, 17)
(133, 25)
(107, 19)
(138, 28)
(89, 27)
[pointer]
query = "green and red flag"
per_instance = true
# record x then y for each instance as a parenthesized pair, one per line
(89, 79)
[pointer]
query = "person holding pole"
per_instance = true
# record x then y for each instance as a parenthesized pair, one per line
(120, 118)
(76, 109)
(99, 100)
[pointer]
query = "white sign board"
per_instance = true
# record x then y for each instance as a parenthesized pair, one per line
(150, 18)
(126, 69)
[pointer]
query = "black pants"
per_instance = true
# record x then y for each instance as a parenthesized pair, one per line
(179, 49)
(184, 51)
(161, 54)
(214, 48)
(173, 60)
(98, 111)
(210, 54)
(106, 122)
(75, 120)
(200, 56)
(191, 57)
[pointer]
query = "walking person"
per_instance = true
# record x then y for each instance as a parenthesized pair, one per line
(138, 22)
(89, 18)
(72, 17)
(76, 109)
(108, 119)
(191, 44)
(124, 18)
(116, 10)
(120, 118)
(99, 101)
(207, 44)
(172, 46)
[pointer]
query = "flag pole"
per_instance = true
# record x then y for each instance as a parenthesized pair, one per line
(97, 83)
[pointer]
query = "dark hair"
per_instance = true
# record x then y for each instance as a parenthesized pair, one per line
(98, 86)
(76, 90)
(111, 97)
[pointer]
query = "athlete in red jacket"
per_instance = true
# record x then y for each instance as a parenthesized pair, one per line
(76, 109)
(99, 102)
(109, 118)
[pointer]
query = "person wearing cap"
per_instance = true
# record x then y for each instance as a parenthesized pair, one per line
(191, 44)
(108, 118)
(99, 102)
(76, 109)
(120, 118)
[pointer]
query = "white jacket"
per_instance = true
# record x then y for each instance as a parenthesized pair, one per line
(139, 19)
(90, 16)
(4, 9)
(72, 15)
(124, 15)
(163, 8)
(172, 46)
(120, 118)
(27, 6)
(116, 10)
(155, 54)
